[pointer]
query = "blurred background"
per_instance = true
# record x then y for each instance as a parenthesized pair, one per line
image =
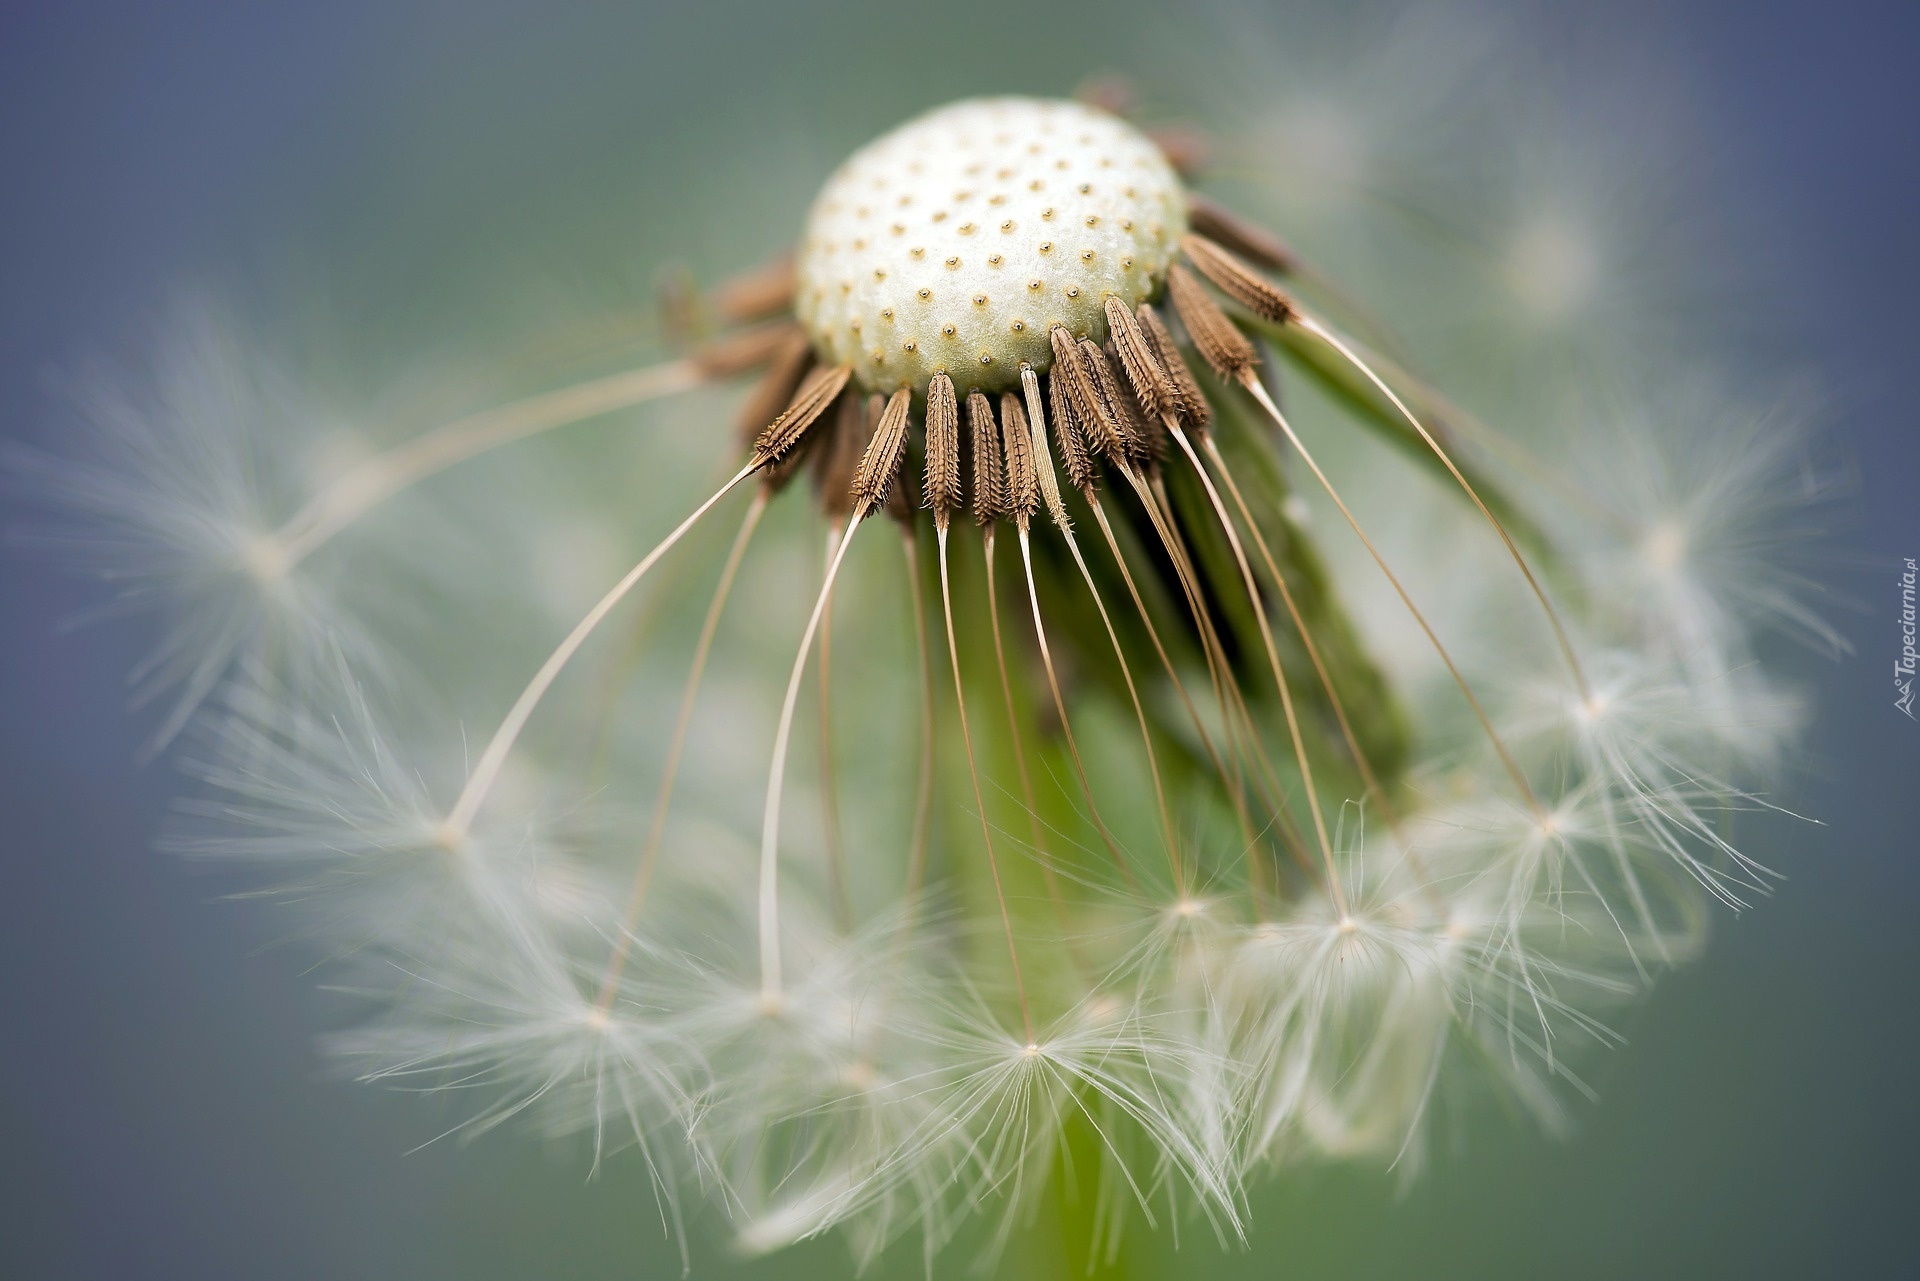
(431, 166)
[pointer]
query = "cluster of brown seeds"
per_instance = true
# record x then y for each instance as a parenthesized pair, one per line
(1103, 389)
(1108, 403)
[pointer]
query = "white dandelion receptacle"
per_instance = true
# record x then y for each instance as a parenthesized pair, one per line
(958, 242)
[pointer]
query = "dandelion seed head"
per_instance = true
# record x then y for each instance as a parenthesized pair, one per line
(1442, 812)
(1013, 215)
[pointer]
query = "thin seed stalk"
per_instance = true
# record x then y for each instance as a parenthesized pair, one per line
(1379, 722)
(1353, 392)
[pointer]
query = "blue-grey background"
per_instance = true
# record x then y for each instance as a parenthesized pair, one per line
(161, 1111)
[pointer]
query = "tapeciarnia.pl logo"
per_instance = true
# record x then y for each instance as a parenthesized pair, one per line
(1903, 666)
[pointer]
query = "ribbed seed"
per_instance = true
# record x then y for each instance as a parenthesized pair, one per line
(1070, 374)
(881, 463)
(1123, 412)
(1023, 491)
(816, 393)
(1090, 413)
(943, 450)
(1219, 341)
(1141, 364)
(1237, 280)
(1067, 435)
(1152, 428)
(989, 473)
(1190, 403)
(1230, 231)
